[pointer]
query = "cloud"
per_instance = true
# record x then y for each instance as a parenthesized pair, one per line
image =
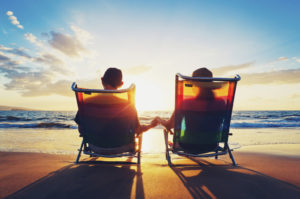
(42, 71)
(225, 69)
(16, 51)
(67, 44)
(295, 96)
(4, 48)
(291, 76)
(9, 13)
(14, 20)
(33, 39)
(81, 34)
(3, 58)
(57, 65)
(296, 59)
(283, 59)
(35, 80)
(137, 70)
(30, 83)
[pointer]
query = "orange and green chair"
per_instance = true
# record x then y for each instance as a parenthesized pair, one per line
(107, 123)
(203, 109)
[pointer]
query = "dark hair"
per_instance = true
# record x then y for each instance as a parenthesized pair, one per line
(202, 72)
(113, 77)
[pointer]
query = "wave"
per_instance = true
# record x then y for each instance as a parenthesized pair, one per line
(13, 118)
(51, 125)
(264, 125)
(64, 120)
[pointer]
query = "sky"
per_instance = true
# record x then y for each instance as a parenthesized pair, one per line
(46, 45)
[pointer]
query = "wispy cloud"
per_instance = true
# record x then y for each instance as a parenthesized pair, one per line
(31, 79)
(14, 20)
(3, 58)
(82, 35)
(283, 59)
(33, 39)
(291, 76)
(40, 83)
(66, 44)
(296, 59)
(42, 71)
(32, 83)
(57, 65)
(225, 69)
(16, 51)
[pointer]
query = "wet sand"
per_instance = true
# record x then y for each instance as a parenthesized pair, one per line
(37, 175)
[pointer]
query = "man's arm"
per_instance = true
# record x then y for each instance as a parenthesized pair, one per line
(142, 128)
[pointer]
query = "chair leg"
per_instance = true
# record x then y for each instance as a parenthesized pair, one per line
(79, 153)
(140, 148)
(216, 157)
(231, 156)
(168, 157)
(139, 158)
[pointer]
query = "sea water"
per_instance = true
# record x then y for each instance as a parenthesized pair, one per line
(56, 132)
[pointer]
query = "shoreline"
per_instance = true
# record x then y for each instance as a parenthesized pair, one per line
(52, 141)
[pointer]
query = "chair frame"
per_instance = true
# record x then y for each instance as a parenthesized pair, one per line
(87, 150)
(219, 150)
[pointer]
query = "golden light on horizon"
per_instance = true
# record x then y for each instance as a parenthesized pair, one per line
(148, 97)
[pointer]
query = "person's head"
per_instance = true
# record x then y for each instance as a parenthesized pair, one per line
(202, 72)
(112, 79)
(204, 92)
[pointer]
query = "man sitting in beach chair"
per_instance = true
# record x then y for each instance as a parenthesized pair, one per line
(202, 115)
(107, 119)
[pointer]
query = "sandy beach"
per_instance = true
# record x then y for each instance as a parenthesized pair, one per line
(258, 175)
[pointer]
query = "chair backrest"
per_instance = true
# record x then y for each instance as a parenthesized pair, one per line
(203, 108)
(107, 118)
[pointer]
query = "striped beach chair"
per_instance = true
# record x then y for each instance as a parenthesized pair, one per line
(203, 109)
(107, 121)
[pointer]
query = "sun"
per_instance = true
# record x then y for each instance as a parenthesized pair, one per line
(148, 96)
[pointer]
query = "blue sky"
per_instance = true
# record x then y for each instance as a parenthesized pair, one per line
(45, 45)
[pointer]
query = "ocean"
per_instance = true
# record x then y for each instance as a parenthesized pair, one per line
(65, 119)
(55, 132)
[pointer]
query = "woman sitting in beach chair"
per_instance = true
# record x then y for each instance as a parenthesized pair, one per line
(201, 119)
(107, 119)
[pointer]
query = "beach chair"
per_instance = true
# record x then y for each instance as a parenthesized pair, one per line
(107, 123)
(203, 108)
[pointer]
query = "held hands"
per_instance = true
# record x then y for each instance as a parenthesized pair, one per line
(158, 120)
(155, 122)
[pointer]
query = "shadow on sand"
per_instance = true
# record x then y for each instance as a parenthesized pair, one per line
(89, 179)
(209, 180)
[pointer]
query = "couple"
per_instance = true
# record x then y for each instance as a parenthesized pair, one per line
(112, 80)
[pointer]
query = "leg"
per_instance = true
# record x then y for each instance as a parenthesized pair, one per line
(231, 156)
(139, 158)
(216, 157)
(140, 138)
(167, 148)
(79, 153)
